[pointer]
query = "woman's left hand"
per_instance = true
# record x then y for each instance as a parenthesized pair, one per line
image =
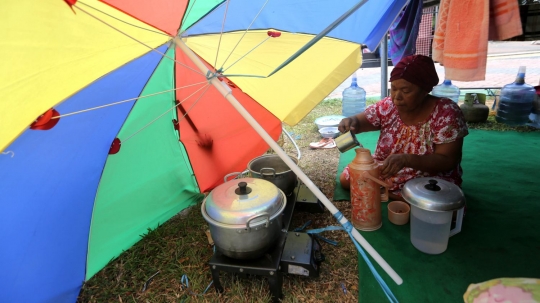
(392, 165)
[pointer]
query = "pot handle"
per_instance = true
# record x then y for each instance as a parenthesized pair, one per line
(236, 174)
(258, 216)
(270, 169)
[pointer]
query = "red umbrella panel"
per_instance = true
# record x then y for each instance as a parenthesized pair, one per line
(217, 138)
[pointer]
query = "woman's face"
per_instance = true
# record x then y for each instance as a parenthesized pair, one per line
(407, 97)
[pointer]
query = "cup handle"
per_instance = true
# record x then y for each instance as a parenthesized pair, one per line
(459, 220)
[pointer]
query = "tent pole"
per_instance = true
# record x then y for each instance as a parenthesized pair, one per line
(301, 175)
(384, 66)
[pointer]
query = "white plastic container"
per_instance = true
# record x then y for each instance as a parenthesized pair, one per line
(433, 202)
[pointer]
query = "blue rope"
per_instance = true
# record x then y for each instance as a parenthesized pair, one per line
(303, 226)
(348, 228)
(185, 284)
(315, 232)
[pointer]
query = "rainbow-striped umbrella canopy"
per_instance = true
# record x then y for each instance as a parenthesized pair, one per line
(107, 129)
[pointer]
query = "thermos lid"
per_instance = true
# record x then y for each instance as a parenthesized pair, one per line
(433, 194)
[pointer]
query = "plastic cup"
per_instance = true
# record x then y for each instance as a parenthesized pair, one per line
(398, 212)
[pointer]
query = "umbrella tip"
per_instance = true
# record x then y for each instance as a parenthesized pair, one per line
(47, 120)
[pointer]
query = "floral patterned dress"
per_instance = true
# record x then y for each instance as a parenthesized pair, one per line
(444, 125)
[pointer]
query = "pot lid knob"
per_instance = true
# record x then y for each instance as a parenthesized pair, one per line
(432, 185)
(242, 189)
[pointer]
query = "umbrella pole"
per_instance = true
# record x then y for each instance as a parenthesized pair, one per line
(301, 175)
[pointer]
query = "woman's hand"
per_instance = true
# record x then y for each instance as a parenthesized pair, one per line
(393, 164)
(349, 123)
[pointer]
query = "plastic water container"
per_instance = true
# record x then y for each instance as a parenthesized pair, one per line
(535, 114)
(516, 101)
(354, 99)
(446, 90)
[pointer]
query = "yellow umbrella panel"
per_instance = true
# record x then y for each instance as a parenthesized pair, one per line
(288, 95)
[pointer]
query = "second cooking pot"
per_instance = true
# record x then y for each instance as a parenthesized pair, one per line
(272, 168)
(244, 216)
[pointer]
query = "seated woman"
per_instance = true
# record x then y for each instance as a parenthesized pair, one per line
(421, 135)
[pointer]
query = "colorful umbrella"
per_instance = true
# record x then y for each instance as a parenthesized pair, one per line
(107, 129)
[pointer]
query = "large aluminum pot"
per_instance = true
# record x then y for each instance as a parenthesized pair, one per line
(244, 216)
(272, 168)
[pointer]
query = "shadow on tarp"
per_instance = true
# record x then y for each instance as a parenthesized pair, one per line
(500, 236)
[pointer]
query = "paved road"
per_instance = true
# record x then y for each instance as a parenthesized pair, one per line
(504, 59)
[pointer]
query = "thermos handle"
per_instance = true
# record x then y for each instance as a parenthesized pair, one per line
(384, 195)
(459, 219)
(366, 174)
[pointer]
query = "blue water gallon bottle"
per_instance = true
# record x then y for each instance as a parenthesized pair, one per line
(516, 101)
(446, 90)
(354, 99)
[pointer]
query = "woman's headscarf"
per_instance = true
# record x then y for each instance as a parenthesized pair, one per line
(417, 69)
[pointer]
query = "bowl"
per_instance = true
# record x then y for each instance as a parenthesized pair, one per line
(328, 121)
(398, 212)
(329, 132)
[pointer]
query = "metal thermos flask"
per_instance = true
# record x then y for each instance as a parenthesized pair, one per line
(365, 191)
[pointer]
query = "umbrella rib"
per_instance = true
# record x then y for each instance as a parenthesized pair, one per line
(221, 33)
(163, 114)
(124, 101)
(320, 35)
(186, 15)
(256, 46)
(184, 116)
(135, 39)
(245, 32)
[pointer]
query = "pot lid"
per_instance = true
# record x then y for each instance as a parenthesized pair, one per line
(238, 200)
(433, 194)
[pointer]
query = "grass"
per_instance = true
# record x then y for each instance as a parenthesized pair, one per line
(180, 247)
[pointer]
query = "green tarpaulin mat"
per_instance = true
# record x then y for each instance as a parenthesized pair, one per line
(500, 236)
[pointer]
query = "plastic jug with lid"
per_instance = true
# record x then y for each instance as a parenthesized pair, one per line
(433, 202)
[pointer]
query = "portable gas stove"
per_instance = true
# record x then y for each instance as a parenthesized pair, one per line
(296, 253)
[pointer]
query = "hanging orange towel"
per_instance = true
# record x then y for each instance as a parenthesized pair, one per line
(463, 30)
(504, 20)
